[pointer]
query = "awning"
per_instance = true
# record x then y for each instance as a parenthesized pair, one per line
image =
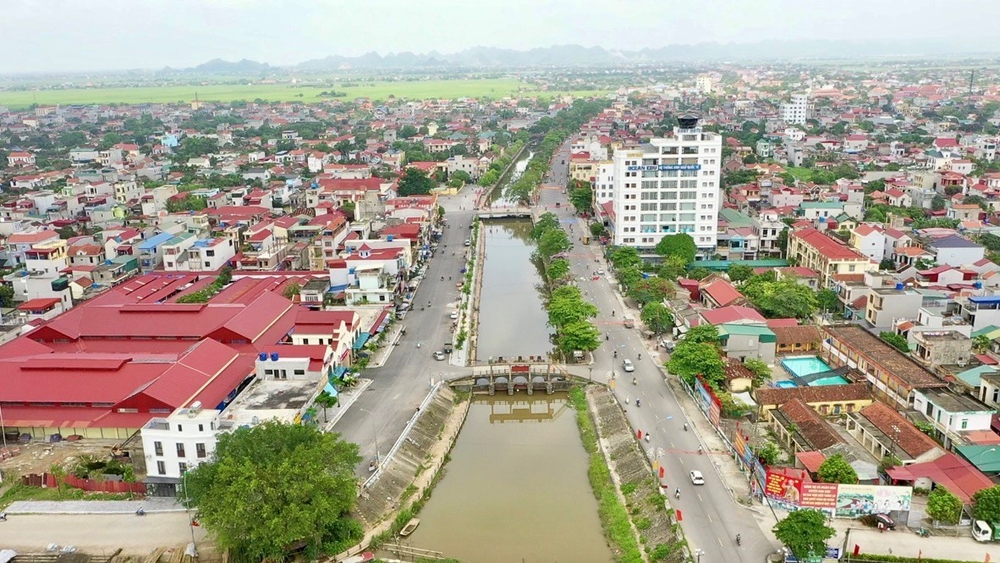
(330, 389)
(361, 340)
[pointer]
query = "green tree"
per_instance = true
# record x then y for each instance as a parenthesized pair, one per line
(761, 372)
(276, 484)
(66, 232)
(938, 203)
(780, 299)
(897, 341)
(702, 333)
(326, 401)
(827, 300)
(415, 182)
(768, 451)
(629, 276)
(691, 359)
(943, 506)
(563, 311)
(673, 267)
(553, 242)
(292, 291)
(6, 295)
(986, 504)
(558, 270)
(657, 317)
(739, 272)
(623, 257)
(835, 469)
(407, 131)
(545, 223)
(579, 335)
(650, 290)
(804, 532)
(581, 195)
(981, 343)
(681, 245)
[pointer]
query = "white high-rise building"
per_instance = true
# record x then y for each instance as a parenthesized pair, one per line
(704, 83)
(669, 186)
(604, 183)
(797, 110)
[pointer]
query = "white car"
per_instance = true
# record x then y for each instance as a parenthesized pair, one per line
(454, 314)
(696, 478)
(629, 367)
(439, 355)
(468, 242)
(600, 272)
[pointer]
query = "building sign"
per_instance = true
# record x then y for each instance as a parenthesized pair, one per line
(649, 167)
(858, 500)
(783, 488)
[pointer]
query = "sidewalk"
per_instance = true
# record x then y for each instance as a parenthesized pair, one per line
(150, 505)
(380, 356)
(347, 398)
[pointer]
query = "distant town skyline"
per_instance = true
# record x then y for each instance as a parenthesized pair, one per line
(94, 35)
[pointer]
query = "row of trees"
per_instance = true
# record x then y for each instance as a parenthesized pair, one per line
(569, 313)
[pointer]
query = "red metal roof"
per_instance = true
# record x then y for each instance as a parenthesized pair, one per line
(828, 247)
(37, 304)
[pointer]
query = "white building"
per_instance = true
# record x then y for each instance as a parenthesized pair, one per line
(604, 183)
(177, 443)
(797, 110)
(704, 83)
(667, 187)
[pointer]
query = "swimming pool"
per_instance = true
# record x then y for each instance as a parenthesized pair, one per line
(832, 380)
(802, 366)
(785, 384)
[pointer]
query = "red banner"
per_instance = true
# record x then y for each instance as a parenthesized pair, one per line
(782, 487)
(819, 495)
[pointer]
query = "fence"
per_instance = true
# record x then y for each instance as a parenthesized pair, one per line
(49, 480)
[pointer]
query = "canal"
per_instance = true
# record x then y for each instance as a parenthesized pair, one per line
(516, 488)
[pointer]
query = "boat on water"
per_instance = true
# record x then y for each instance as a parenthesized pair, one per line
(409, 527)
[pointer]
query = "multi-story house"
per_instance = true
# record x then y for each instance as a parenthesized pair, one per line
(826, 256)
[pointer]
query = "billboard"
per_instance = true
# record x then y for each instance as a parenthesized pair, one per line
(783, 488)
(651, 167)
(858, 500)
(819, 495)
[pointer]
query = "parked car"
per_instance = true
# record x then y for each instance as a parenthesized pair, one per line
(468, 242)
(628, 366)
(697, 478)
(439, 355)
(454, 315)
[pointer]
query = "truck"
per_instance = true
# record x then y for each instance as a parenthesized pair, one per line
(983, 531)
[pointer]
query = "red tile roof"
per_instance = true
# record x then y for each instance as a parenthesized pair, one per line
(830, 248)
(722, 292)
(911, 440)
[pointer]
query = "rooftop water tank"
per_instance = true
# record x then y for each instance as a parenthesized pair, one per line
(274, 356)
(899, 286)
(978, 285)
(262, 356)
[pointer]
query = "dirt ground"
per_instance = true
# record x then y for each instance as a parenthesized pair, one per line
(100, 534)
(39, 457)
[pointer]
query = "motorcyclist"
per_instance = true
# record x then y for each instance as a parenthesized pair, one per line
(685, 427)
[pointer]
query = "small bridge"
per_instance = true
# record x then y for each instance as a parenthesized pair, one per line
(521, 376)
(520, 211)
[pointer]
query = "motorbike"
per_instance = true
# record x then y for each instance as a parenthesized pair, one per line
(685, 427)
(677, 493)
(647, 437)
(635, 381)
(637, 404)
(739, 540)
(140, 512)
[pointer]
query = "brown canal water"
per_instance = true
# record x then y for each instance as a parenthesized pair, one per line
(512, 317)
(516, 488)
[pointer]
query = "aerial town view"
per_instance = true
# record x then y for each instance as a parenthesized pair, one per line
(536, 282)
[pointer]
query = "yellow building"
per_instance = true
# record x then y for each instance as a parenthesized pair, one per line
(826, 256)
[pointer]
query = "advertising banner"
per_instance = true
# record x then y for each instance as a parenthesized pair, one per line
(783, 488)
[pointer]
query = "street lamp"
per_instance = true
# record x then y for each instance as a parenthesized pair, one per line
(378, 456)
(187, 506)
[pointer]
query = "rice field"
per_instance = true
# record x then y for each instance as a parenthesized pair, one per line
(412, 89)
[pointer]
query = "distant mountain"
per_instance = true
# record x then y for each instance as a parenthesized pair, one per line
(576, 55)
(219, 66)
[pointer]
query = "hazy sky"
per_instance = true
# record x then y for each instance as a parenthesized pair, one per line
(78, 35)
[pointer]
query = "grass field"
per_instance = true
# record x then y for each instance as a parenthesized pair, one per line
(494, 88)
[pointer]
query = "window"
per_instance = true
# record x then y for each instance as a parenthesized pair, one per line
(300, 372)
(183, 467)
(201, 428)
(199, 450)
(158, 448)
(180, 428)
(180, 450)
(965, 423)
(161, 468)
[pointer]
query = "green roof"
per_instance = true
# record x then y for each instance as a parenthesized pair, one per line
(972, 376)
(735, 218)
(991, 332)
(985, 458)
(763, 333)
(723, 265)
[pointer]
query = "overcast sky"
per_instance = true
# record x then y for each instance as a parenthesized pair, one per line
(80, 35)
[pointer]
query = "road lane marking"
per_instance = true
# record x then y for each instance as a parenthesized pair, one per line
(709, 515)
(703, 500)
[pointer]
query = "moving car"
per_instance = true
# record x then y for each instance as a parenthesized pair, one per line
(454, 314)
(468, 242)
(439, 355)
(697, 478)
(629, 367)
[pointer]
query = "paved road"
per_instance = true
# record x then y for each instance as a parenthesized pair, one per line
(399, 386)
(98, 533)
(711, 519)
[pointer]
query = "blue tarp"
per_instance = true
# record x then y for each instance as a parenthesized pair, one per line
(361, 341)
(330, 389)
